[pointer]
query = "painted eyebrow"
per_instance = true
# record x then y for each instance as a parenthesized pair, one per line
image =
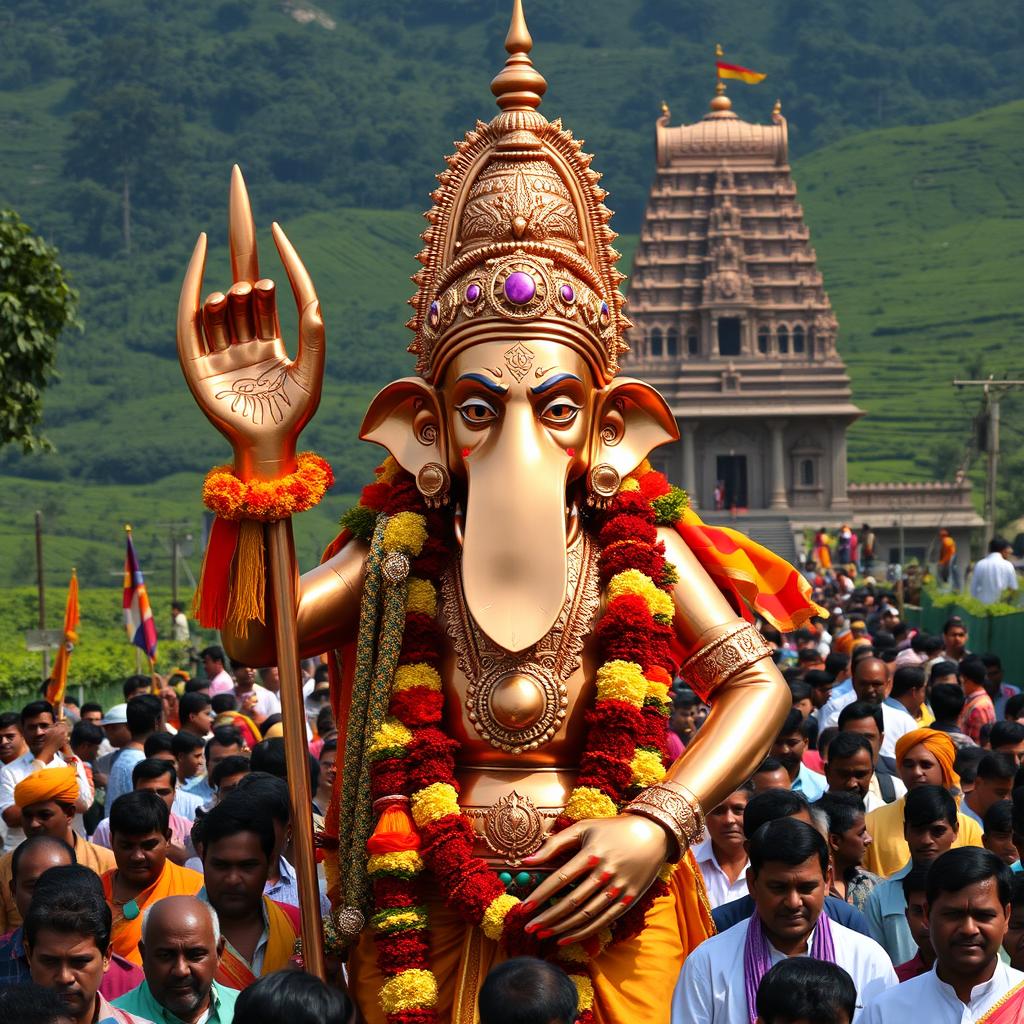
(557, 379)
(498, 389)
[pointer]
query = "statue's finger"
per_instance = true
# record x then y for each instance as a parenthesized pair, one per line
(190, 335)
(242, 324)
(215, 321)
(241, 231)
(310, 358)
(264, 303)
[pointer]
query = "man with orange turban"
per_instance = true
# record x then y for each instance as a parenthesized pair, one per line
(46, 800)
(924, 757)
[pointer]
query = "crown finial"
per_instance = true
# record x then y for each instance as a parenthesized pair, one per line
(721, 102)
(519, 85)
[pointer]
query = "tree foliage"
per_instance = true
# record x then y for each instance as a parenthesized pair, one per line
(36, 304)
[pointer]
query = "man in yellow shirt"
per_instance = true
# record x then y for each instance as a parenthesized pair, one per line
(924, 757)
(46, 799)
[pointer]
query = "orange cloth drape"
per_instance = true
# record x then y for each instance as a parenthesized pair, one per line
(235, 973)
(1009, 1009)
(125, 934)
(633, 981)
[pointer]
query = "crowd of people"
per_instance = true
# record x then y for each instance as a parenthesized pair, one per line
(870, 865)
(881, 838)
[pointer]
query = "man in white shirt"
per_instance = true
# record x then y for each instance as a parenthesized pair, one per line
(994, 573)
(722, 855)
(254, 700)
(788, 880)
(850, 768)
(968, 894)
(48, 747)
(871, 683)
(215, 666)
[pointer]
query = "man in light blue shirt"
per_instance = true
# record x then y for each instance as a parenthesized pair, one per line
(181, 946)
(789, 747)
(145, 715)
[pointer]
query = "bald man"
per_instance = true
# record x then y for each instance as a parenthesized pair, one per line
(46, 802)
(31, 859)
(872, 683)
(181, 946)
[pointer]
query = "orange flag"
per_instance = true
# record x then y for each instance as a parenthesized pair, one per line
(59, 676)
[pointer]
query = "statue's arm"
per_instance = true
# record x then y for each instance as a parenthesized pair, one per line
(328, 611)
(747, 708)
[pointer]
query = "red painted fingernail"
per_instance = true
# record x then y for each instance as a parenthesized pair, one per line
(546, 933)
(626, 900)
(465, 452)
(593, 862)
(605, 875)
(565, 942)
(528, 906)
(613, 891)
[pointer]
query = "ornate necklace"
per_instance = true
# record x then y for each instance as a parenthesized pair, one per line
(517, 702)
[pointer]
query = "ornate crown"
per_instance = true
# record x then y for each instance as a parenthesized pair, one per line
(518, 232)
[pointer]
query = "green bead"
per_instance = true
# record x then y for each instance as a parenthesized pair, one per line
(505, 878)
(524, 878)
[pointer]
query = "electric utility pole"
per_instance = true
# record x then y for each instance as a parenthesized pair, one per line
(993, 392)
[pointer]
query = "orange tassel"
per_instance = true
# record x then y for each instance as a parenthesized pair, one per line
(394, 832)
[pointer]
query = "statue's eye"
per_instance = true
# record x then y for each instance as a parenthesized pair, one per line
(560, 412)
(477, 412)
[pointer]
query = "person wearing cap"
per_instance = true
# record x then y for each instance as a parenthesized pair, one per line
(115, 727)
(46, 799)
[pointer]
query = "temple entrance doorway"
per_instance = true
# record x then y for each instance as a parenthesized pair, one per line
(731, 472)
(729, 336)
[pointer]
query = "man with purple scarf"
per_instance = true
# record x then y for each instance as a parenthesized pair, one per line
(788, 881)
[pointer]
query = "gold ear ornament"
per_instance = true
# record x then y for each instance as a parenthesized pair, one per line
(602, 485)
(434, 483)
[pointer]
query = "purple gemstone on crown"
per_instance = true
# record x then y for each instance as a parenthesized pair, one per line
(473, 293)
(604, 310)
(520, 287)
(568, 295)
(434, 315)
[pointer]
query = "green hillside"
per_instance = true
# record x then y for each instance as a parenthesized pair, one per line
(340, 114)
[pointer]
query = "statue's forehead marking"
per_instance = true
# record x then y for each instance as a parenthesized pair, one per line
(519, 359)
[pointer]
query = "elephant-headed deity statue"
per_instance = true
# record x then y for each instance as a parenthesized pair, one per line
(512, 601)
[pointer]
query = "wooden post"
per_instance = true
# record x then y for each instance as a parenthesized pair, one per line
(41, 588)
(282, 583)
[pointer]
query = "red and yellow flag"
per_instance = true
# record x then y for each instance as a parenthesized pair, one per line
(58, 681)
(740, 73)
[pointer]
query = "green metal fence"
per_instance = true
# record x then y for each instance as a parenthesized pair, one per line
(998, 634)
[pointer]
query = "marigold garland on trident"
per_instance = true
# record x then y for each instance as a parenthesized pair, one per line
(420, 825)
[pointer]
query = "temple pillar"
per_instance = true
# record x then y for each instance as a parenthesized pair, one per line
(777, 499)
(689, 462)
(840, 499)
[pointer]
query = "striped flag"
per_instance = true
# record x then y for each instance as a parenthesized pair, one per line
(740, 73)
(58, 682)
(138, 617)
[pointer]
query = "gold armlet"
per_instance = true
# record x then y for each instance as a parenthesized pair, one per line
(676, 809)
(726, 655)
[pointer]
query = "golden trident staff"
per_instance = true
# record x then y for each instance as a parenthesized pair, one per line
(240, 374)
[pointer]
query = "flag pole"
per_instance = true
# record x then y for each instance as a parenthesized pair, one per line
(282, 583)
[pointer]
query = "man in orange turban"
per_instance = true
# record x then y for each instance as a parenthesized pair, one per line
(924, 757)
(46, 800)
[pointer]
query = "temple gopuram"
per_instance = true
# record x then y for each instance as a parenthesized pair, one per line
(734, 327)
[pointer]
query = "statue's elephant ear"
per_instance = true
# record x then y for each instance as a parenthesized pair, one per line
(406, 419)
(633, 419)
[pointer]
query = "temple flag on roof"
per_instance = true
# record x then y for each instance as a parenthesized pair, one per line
(57, 684)
(735, 71)
(138, 616)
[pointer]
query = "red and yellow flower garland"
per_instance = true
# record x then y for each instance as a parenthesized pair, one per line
(422, 827)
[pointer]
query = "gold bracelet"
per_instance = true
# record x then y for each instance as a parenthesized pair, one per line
(676, 809)
(729, 653)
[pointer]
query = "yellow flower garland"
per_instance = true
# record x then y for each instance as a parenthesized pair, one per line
(390, 734)
(408, 677)
(638, 584)
(422, 597)
(587, 802)
(647, 768)
(433, 802)
(493, 920)
(410, 990)
(405, 532)
(400, 861)
(622, 680)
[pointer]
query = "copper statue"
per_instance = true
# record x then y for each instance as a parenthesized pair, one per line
(519, 434)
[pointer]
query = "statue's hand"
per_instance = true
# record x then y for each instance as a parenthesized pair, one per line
(617, 860)
(233, 356)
